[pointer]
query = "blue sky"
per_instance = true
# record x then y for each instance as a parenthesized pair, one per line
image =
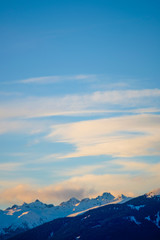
(79, 99)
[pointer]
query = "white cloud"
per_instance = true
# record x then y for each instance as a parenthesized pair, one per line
(27, 193)
(94, 103)
(82, 182)
(120, 136)
(22, 126)
(120, 96)
(54, 79)
(137, 166)
(88, 185)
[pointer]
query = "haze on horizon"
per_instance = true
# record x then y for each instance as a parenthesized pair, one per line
(79, 99)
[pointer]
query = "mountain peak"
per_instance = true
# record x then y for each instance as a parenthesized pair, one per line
(107, 195)
(153, 193)
(35, 204)
(122, 196)
(71, 202)
(73, 199)
(13, 207)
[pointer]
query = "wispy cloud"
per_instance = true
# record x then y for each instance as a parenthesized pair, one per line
(94, 103)
(80, 171)
(25, 193)
(86, 185)
(125, 136)
(10, 166)
(54, 79)
(23, 126)
(130, 165)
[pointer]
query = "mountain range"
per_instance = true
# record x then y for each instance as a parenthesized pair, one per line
(97, 218)
(17, 219)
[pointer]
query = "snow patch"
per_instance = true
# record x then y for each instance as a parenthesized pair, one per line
(23, 214)
(136, 207)
(77, 204)
(157, 220)
(132, 219)
(12, 211)
(148, 218)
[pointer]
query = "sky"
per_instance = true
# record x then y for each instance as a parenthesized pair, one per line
(79, 99)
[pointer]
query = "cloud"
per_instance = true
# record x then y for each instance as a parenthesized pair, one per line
(25, 193)
(54, 79)
(125, 136)
(120, 96)
(94, 103)
(137, 166)
(80, 171)
(10, 166)
(22, 126)
(83, 182)
(87, 185)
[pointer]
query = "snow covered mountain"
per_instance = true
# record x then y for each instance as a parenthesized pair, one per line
(27, 216)
(138, 218)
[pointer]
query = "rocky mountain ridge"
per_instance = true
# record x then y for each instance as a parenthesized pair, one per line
(27, 216)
